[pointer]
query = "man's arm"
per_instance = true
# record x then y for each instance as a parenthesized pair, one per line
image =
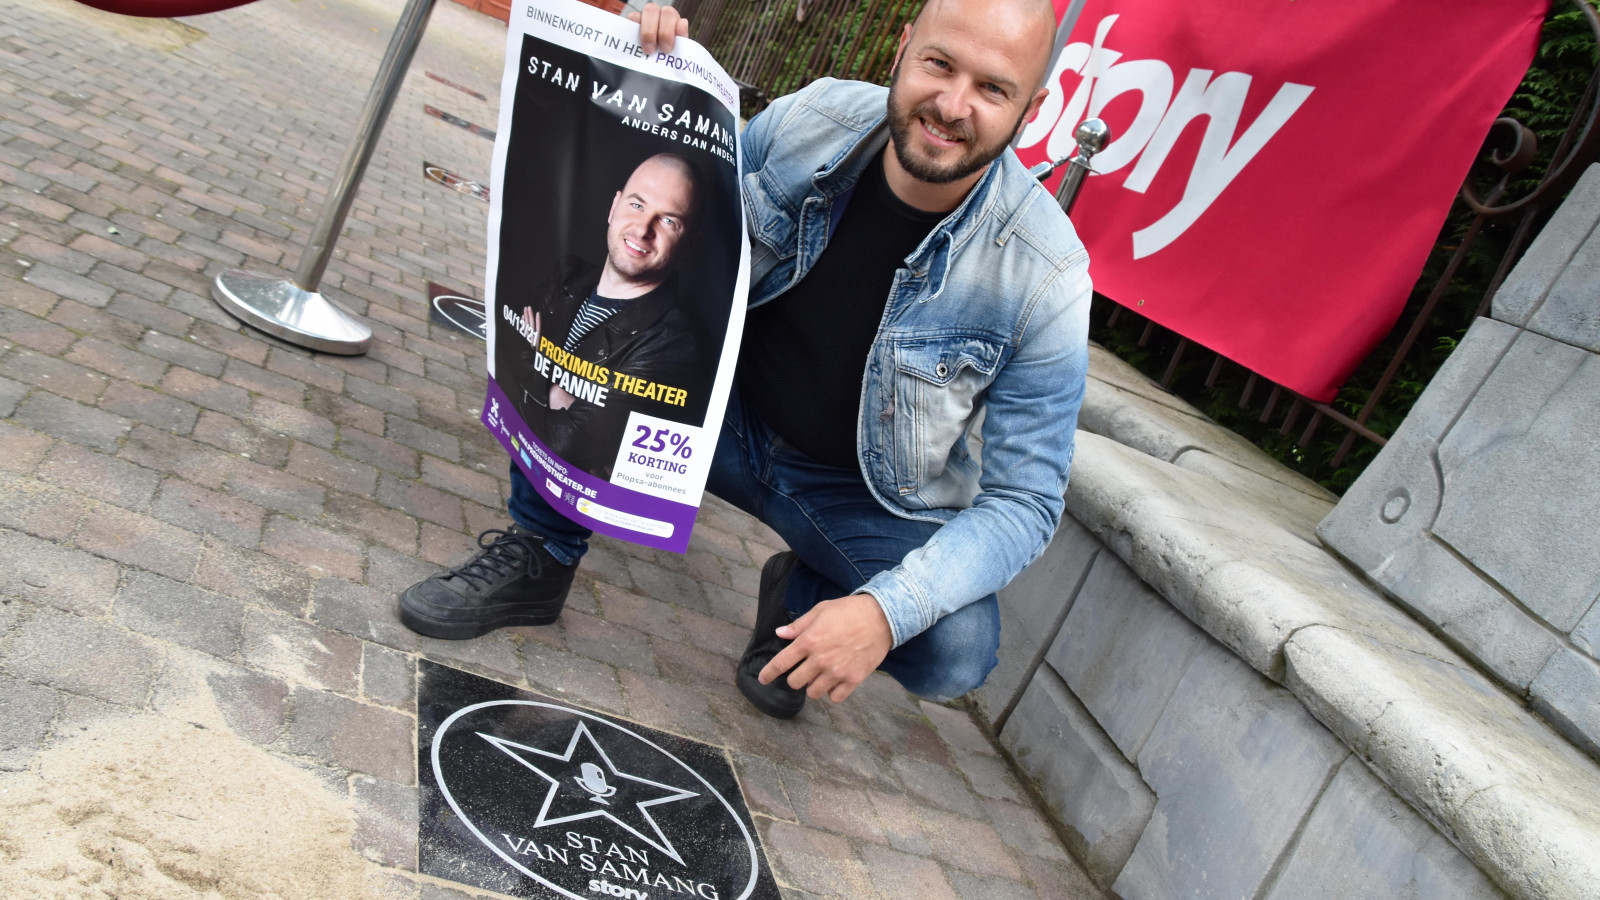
(1032, 404)
(1028, 434)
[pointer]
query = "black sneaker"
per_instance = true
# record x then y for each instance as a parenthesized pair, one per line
(776, 699)
(514, 581)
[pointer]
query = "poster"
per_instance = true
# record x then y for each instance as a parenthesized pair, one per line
(617, 269)
(1277, 172)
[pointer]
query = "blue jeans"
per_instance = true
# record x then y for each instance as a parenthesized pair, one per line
(841, 533)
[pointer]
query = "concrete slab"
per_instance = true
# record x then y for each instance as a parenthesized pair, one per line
(1566, 312)
(1565, 693)
(1237, 569)
(1032, 607)
(1514, 796)
(1587, 635)
(1362, 841)
(1400, 491)
(1472, 613)
(1511, 506)
(1121, 404)
(1236, 763)
(1526, 288)
(1122, 651)
(1470, 515)
(1085, 780)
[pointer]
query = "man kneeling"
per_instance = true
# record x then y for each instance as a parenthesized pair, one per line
(937, 286)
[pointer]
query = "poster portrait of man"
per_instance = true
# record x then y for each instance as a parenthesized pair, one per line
(618, 247)
(618, 323)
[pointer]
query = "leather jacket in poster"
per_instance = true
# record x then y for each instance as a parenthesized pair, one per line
(650, 339)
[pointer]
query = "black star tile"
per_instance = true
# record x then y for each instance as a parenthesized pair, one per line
(531, 796)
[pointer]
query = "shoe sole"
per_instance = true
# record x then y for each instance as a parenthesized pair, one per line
(446, 630)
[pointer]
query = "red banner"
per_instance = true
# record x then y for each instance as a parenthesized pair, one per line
(1278, 171)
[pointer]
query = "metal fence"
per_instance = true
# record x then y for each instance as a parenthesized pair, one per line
(779, 47)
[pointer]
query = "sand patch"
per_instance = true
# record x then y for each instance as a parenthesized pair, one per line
(152, 808)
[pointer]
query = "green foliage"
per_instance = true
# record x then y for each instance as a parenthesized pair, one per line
(1546, 102)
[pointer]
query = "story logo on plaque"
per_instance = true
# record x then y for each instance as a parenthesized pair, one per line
(530, 796)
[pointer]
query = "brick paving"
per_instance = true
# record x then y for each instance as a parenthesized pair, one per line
(173, 487)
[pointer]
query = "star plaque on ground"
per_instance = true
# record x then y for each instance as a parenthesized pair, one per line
(534, 797)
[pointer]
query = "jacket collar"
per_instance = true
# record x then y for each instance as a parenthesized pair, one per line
(635, 313)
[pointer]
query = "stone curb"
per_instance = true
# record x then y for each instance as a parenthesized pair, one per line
(1505, 788)
(1122, 404)
(1511, 794)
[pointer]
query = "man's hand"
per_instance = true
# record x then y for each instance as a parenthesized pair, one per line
(531, 319)
(836, 646)
(659, 26)
(559, 398)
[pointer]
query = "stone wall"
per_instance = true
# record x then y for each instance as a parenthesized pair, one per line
(1482, 515)
(1213, 705)
(1179, 771)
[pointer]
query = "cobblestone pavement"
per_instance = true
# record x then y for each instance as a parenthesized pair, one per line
(188, 507)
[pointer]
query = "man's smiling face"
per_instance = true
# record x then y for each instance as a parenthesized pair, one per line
(648, 220)
(966, 78)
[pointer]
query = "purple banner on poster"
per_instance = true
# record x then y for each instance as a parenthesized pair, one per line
(600, 505)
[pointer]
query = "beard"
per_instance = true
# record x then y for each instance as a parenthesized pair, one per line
(975, 157)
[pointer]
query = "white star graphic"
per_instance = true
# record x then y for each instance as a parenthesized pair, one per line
(672, 794)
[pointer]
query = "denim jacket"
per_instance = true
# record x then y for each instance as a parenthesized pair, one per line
(983, 339)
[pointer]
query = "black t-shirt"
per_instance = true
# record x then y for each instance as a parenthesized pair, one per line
(804, 354)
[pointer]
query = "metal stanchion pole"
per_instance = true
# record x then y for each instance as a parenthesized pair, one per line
(293, 310)
(1092, 137)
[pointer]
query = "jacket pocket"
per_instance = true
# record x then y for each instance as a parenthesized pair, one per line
(939, 383)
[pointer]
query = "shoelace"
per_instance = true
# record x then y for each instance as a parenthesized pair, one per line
(498, 556)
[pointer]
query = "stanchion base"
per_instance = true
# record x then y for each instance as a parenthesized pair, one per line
(303, 318)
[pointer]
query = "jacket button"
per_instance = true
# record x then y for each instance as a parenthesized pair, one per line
(941, 370)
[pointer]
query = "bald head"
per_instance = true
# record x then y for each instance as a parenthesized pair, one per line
(649, 220)
(1031, 23)
(968, 74)
(675, 166)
